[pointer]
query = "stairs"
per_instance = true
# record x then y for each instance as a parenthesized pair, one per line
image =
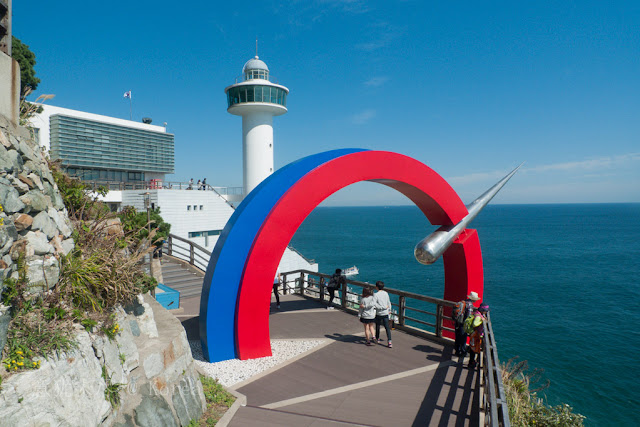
(188, 281)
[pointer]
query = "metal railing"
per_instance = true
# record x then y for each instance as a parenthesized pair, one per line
(310, 283)
(494, 402)
(188, 251)
(164, 185)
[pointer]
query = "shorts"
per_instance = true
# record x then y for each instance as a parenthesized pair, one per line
(363, 320)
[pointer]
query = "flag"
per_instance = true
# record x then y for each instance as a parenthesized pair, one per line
(127, 94)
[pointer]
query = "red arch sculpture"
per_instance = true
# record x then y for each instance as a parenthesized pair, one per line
(428, 190)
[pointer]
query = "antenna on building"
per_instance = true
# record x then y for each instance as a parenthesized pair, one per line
(256, 47)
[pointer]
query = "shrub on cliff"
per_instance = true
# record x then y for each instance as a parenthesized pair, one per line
(526, 408)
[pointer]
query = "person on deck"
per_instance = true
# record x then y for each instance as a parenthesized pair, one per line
(367, 313)
(276, 285)
(461, 335)
(335, 283)
(383, 308)
(477, 336)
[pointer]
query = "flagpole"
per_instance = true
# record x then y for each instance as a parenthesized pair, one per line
(130, 108)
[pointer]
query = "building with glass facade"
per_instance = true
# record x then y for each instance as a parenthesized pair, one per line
(105, 149)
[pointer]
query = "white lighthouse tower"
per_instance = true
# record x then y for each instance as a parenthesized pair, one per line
(257, 99)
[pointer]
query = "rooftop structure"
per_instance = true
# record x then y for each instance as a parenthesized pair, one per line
(257, 99)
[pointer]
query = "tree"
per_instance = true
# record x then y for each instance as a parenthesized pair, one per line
(27, 60)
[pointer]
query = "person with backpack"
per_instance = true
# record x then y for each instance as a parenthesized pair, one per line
(276, 285)
(474, 326)
(461, 311)
(383, 308)
(367, 313)
(335, 283)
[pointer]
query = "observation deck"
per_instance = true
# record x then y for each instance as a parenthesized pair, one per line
(344, 382)
(256, 91)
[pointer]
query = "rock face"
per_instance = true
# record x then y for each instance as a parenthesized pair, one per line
(33, 216)
(159, 385)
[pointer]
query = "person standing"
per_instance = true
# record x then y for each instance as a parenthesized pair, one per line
(335, 283)
(199, 185)
(276, 285)
(459, 317)
(190, 187)
(367, 313)
(477, 333)
(383, 309)
(204, 184)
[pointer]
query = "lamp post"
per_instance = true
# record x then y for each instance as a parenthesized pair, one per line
(147, 205)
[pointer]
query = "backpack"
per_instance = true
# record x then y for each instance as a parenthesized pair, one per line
(468, 325)
(333, 282)
(459, 311)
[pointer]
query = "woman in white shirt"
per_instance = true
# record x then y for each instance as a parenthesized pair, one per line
(383, 309)
(367, 314)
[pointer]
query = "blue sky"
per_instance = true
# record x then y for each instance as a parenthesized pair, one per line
(471, 89)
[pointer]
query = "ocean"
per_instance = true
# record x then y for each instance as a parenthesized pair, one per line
(562, 281)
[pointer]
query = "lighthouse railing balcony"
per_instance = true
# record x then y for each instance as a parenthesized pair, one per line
(255, 75)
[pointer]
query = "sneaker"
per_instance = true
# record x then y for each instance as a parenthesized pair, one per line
(278, 306)
(369, 343)
(390, 345)
(329, 308)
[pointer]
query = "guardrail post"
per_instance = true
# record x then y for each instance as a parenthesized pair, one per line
(284, 282)
(321, 290)
(301, 284)
(344, 297)
(169, 246)
(192, 258)
(402, 305)
(439, 321)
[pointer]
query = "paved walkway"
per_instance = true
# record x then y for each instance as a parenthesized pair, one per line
(345, 382)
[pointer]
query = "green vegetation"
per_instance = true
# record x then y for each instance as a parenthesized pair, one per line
(136, 222)
(27, 61)
(525, 407)
(218, 401)
(112, 391)
(101, 272)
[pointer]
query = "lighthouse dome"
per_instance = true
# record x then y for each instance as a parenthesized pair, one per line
(255, 68)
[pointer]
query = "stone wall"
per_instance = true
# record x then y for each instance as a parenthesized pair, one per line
(34, 218)
(150, 358)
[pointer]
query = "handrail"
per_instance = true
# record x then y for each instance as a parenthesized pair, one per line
(194, 254)
(495, 400)
(310, 282)
(160, 185)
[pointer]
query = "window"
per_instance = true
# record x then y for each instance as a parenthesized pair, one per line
(188, 207)
(200, 207)
(195, 207)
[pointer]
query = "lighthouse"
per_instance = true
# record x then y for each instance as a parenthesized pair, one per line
(256, 98)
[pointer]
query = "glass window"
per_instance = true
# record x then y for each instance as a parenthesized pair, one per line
(258, 91)
(250, 94)
(200, 207)
(188, 207)
(243, 94)
(195, 207)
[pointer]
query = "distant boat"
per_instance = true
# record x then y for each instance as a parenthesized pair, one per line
(351, 271)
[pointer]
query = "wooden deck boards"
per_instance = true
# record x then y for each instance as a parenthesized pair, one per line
(415, 383)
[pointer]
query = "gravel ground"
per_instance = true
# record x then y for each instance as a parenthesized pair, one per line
(234, 371)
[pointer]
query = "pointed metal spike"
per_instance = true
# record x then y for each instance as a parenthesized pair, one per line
(429, 249)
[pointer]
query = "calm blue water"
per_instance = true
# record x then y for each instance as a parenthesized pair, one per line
(563, 283)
